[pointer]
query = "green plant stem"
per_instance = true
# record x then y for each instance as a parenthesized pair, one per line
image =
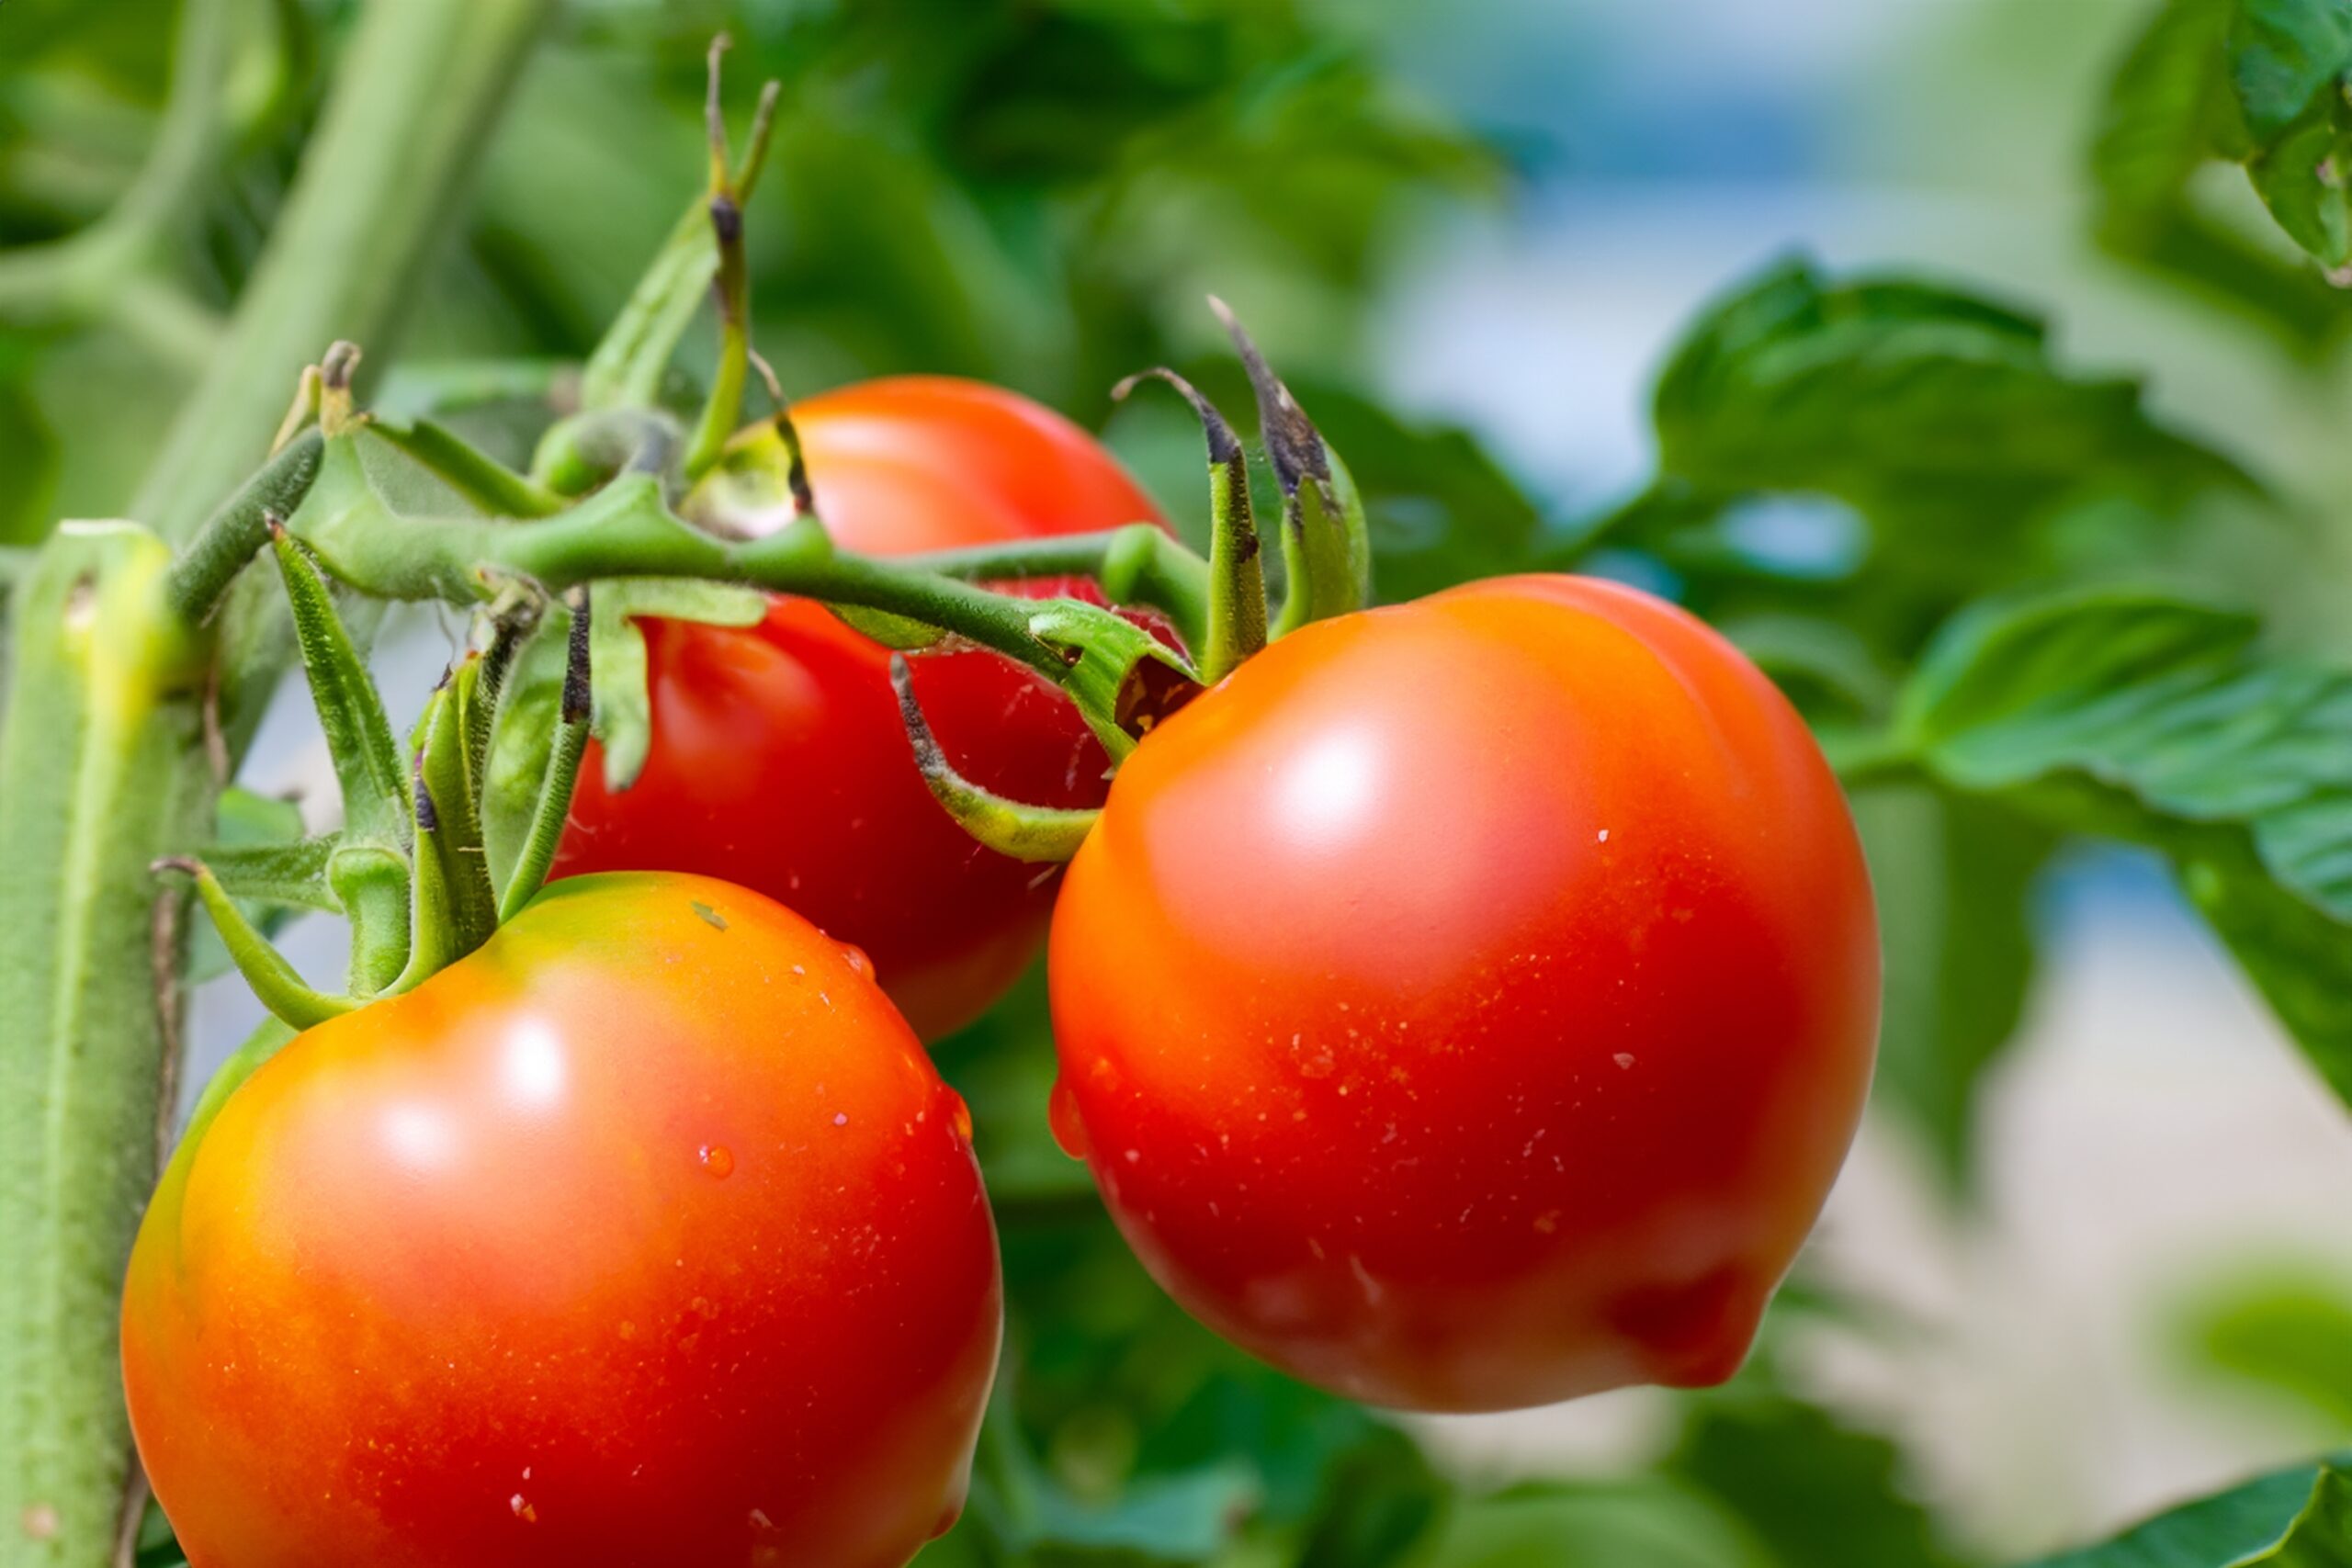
(1141, 563)
(570, 743)
(102, 770)
(624, 531)
(235, 533)
(404, 128)
(490, 485)
(1236, 610)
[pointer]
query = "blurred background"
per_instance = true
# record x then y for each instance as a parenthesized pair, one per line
(2095, 1250)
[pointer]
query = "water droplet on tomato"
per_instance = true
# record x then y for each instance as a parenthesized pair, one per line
(857, 959)
(717, 1160)
(1070, 1130)
(1625, 1058)
(841, 1118)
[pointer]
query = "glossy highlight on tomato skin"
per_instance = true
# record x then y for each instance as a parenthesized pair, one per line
(778, 760)
(1468, 1005)
(644, 1234)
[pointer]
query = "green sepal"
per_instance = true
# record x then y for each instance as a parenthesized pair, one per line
(274, 982)
(433, 932)
(758, 484)
(244, 821)
(1236, 618)
(484, 482)
(1035, 833)
(373, 883)
(895, 633)
(445, 770)
(623, 709)
(564, 751)
(1122, 679)
(627, 366)
(369, 869)
(291, 876)
(585, 451)
(1325, 549)
(1327, 542)
(360, 737)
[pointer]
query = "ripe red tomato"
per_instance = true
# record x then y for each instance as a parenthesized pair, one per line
(646, 1235)
(778, 760)
(1468, 1005)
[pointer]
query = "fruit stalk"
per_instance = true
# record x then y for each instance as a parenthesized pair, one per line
(105, 767)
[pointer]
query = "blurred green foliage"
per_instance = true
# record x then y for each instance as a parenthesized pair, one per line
(2257, 82)
(2295, 1518)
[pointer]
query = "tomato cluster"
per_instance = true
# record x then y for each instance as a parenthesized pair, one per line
(1462, 1005)
(778, 761)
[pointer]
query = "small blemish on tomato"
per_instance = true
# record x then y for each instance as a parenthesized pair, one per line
(711, 916)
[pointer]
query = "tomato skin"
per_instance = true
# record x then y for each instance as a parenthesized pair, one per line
(627, 1239)
(1468, 1005)
(778, 760)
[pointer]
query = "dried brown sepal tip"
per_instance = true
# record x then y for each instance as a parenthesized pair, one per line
(929, 758)
(578, 690)
(1293, 446)
(726, 219)
(428, 816)
(1225, 446)
(795, 468)
(336, 368)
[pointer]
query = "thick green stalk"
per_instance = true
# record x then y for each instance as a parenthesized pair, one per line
(102, 770)
(412, 102)
(1141, 564)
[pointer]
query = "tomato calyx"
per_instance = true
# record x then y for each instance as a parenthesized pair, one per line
(411, 868)
(1327, 543)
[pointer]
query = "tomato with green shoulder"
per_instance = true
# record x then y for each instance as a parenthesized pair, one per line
(644, 1234)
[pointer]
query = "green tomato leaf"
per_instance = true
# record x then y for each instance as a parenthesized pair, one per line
(292, 874)
(261, 857)
(2295, 1518)
(1818, 1492)
(624, 713)
(1909, 402)
(2283, 55)
(2157, 721)
(2259, 82)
